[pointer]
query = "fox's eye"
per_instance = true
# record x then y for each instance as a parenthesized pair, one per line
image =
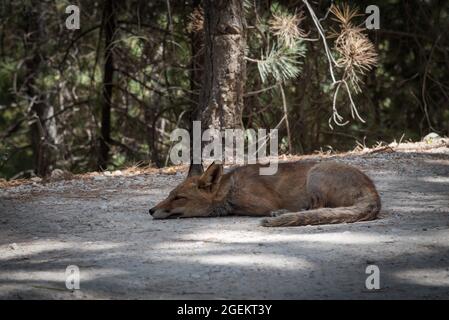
(179, 198)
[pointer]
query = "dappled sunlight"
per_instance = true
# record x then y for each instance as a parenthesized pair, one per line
(231, 236)
(102, 226)
(426, 277)
(444, 161)
(436, 179)
(412, 209)
(264, 260)
(150, 148)
(58, 276)
(40, 246)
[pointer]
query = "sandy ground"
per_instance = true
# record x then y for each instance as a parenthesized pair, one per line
(101, 225)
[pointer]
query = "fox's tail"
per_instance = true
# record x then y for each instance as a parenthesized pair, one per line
(364, 210)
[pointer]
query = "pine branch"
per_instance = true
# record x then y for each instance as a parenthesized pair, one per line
(282, 62)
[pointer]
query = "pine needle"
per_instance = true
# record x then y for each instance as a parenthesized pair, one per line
(282, 63)
(285, 26)
(357, 54)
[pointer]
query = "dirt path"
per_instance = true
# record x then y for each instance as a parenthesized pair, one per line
(101, 225)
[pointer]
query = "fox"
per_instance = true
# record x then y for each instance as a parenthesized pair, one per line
(300, 193)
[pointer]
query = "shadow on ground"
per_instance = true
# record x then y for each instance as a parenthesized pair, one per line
(102, 227)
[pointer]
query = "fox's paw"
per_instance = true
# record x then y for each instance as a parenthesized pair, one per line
(273, 222)
(267, 222)
(284, 220)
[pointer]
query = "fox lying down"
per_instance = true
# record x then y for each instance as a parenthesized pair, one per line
(299, 194)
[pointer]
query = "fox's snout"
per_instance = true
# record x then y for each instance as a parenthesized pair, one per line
(192, 198)
(159, 213)
(155, 212)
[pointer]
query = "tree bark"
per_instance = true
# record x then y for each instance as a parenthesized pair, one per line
(109, 25)
(44, 135)
(221, 98)
(196, 79)
(196, 65)
(150, 116)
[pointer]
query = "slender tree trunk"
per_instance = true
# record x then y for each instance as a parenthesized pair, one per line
(150, 115)
(108, 74)
(44, 136)
(196, 78)
(224, 64)
(196, 64)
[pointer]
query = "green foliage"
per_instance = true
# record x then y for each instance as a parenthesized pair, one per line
(156, 83)
(282, 62)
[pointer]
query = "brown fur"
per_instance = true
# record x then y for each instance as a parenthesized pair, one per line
(330, 192)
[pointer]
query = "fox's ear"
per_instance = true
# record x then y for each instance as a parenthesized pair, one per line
(210, 179)
(195, 170)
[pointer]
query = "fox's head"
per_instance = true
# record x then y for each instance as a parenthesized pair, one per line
(192, 198)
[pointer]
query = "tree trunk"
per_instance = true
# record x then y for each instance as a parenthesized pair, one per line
(150, 116)
(196, 79)
(221, 98)
(44, 136)
(109, 26)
